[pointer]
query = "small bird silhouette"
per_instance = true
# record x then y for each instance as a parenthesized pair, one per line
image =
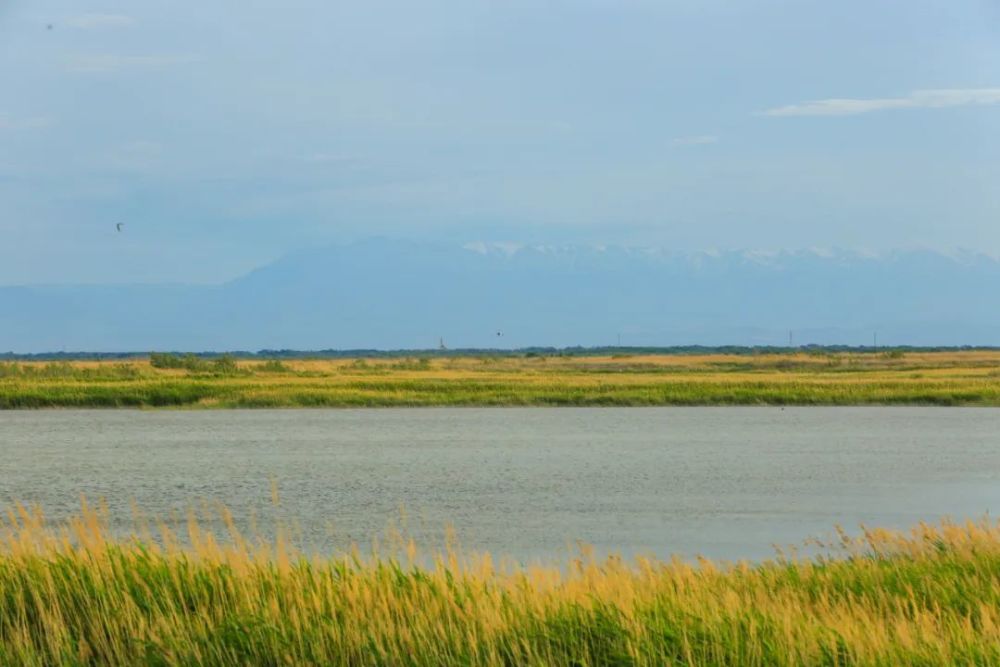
(499, 333)
(49, 27)
(119, 226)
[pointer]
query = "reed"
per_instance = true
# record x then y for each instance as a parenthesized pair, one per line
(72, 594)
(943, 378)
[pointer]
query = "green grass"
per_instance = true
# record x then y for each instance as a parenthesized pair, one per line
(949, 378)
(71, 595)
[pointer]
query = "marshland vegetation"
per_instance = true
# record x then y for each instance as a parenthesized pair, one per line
(74, 595)
(844, 378)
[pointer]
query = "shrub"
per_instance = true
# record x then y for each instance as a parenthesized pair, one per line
(189, 361)
(167, 360)
(225, 365)
(273, 366)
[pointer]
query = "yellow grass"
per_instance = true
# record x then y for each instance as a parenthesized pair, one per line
(73, 595)
(939, 378)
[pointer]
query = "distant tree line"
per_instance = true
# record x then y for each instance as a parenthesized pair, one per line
(188, 360)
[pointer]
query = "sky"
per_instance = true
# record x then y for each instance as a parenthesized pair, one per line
(226, 134)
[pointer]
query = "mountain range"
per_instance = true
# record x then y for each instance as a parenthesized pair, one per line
(389, 294)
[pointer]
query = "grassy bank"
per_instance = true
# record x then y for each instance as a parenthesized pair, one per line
(927, 378)
(73, 596)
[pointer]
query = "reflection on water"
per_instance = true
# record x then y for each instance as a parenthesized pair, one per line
(725, 482)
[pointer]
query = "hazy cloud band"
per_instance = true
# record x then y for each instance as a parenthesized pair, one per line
(918, 99)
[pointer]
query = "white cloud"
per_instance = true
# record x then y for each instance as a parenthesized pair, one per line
(102, 63)
(96, 21)
(30, 123)
(918, 99)
(699, 140)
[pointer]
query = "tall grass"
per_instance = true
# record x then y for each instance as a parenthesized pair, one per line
(73, 595)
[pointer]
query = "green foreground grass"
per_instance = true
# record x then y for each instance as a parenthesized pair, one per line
(941, 378)
(72, 596)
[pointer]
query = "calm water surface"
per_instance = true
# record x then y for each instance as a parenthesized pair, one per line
(724, 482)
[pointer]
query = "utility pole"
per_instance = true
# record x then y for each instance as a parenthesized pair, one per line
(875, 341)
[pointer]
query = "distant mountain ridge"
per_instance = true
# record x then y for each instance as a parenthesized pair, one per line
(405, 294)
(730, 256)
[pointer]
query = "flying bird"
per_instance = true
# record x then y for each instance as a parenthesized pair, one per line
(499, 333)
(119, 226)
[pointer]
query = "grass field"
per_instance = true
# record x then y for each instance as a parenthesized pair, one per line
(70, 595)
(916, 378)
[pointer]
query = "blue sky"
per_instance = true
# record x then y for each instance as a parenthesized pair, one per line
(225, 134)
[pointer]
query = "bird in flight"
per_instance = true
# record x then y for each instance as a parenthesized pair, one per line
(119, 226)
(49, 27)
(499, 333)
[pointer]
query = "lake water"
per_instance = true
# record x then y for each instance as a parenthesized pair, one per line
(724, 482)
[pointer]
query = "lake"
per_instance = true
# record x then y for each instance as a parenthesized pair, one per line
(723, 482)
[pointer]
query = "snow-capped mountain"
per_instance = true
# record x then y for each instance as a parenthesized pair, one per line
(401, 294)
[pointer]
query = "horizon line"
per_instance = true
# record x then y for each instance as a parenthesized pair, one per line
(575, 350)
